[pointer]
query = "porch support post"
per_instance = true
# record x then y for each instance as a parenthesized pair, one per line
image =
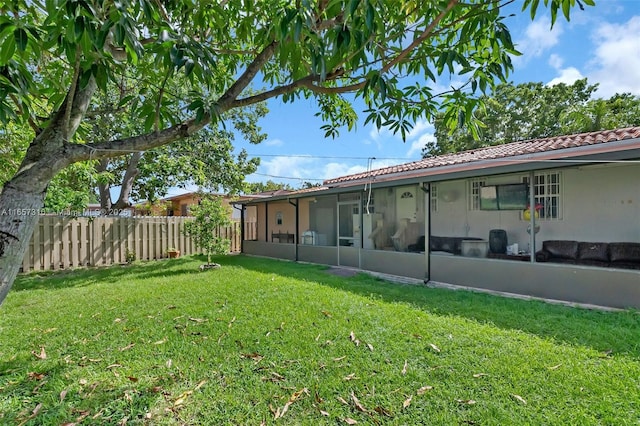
(532, 217)
(426, 188)
(242, 224)
(296, 227)
(266, 221)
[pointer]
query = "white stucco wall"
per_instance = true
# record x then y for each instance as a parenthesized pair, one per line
(599, 203)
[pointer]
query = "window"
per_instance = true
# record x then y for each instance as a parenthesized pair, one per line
(548, 194)
(474, 192)
(279, 218)
(406, 194)
(433, 192)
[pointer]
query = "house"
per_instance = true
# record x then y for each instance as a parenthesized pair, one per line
(180, 205)
(556, 218)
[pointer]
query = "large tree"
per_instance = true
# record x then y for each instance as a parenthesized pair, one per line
(55, 55)
(205, 159)
(534, 110)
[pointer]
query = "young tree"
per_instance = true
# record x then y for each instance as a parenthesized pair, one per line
(56, 55)
(210, 216)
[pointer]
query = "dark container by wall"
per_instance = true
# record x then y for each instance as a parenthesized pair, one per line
(498, 241)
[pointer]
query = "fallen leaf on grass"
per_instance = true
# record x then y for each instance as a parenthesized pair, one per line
(466, 401)
(339, 358)
(83, 415)
(198, 320)
(555, 367)
(357, 403)
(342, 400)
(133, 379)
(404, 369)
(181, 399)
(35, 376)
(519, 398)
(254, 356)
(477, 375)
(126, 348)
(326, 314)
(34, 413)
(351, 376)
(294, 397)
(231, 322)
(200, 384)
(407, 402)
(275, 377)
(324, 413)
(352, 337)
(63, 395)
(370, 346)
(434, 347)
(113, 366)
(350, 421)
(41, 355)
(160, 342)
(382, 411)
(423, 389)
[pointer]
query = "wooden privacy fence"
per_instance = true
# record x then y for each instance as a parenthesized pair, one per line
(64, 242)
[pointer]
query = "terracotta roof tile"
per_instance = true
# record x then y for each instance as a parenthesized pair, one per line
(513, 149)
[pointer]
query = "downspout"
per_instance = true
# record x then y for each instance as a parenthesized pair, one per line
(296, 230)
(426, 188)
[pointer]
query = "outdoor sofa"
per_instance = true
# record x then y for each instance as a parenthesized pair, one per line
(614, 255)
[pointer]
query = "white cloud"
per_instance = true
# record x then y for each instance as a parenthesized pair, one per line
(285, 166)
(420, 127)
(567, 76)
(538, 38)
(617, 58)
(274, 142)
(334, 170)
(556, 61)
(417, 145)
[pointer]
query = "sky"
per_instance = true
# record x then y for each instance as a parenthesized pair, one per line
(601, 43)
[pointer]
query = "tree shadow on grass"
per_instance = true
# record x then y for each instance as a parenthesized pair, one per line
(68, 278)
(610, 332)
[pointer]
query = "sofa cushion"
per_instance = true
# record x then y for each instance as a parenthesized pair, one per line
(561, 249)
(597, 252)
(624, 252)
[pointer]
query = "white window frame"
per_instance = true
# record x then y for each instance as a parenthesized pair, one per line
(474, 192)
(548, 192)
(433, 193)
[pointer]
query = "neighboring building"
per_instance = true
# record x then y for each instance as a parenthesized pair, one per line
(180, 205)
(463, 219)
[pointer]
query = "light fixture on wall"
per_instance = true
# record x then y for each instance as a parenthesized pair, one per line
(449, 196)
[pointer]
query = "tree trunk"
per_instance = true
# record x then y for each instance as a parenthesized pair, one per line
(128, 181)
(20, 207)
(22, 198)
(104, 188)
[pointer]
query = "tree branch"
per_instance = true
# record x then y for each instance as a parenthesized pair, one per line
(247, 77)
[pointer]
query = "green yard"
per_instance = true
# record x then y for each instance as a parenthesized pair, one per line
(267, 342)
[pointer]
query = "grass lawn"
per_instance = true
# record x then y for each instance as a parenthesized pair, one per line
(267, 342)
